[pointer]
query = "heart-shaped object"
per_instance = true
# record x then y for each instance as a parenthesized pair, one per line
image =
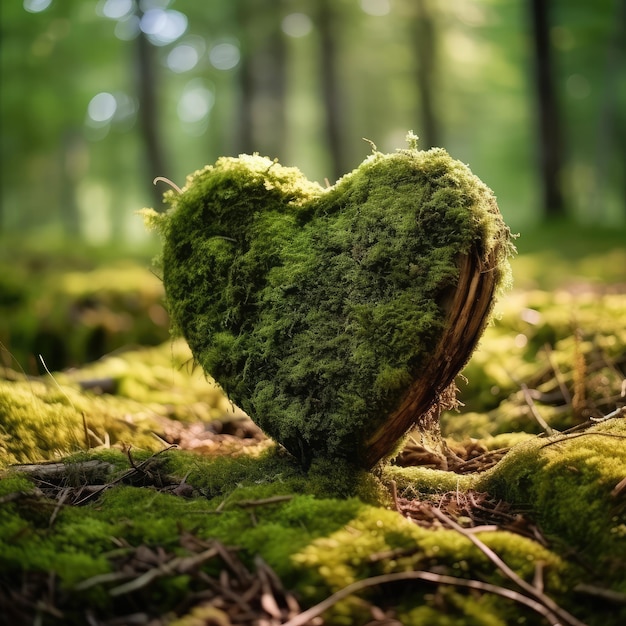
(336, 318)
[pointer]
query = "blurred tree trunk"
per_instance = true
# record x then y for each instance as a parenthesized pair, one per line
(326, 22)
(147, 88)
(262, 79)
(549, 123)
(244, 135)
(611, 134)
(424, 44)
(74, 157)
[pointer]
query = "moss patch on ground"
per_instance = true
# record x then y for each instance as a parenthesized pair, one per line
(568, 348)
(123, 399)
(73, 312)
(321, 532)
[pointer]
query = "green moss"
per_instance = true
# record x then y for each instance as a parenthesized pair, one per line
(45, 418)
(320, 537)
(425, 480)
(535, 332)
(567, 480)
(71, 313)
(316, 308)
(354, 553)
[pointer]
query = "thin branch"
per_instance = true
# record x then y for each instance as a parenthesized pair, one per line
(621, 412)
(535, 413)
(263, 501)
(585, 434)
(305, 617)
(546, 601)
(60, 501)
(135, 469)
(609, 595)
(162, 179)
(558, 374)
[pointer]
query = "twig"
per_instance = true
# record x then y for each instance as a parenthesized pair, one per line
(394, 495)
(619, 488)
(599, 592)
(318, 609)
(546, 601)
(621, 412)
(535, 413)
(584, 434)
(60, 501)
(263, 501)
(167, 181)
(268, 599)
(175, 566)
(557, 374)
(136, 469)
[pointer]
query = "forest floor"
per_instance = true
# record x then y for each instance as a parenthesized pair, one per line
(133, 492)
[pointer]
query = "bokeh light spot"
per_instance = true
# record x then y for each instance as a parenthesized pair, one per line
(195, 102)
(116, 9)
(182, 58)
(377, 8)
(224, 56)
(297, 25)
(163, 27)
(36, 6)
(102, 107)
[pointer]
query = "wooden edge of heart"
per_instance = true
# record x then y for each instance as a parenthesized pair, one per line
(467, 314)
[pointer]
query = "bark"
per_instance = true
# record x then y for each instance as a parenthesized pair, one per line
(468, 310)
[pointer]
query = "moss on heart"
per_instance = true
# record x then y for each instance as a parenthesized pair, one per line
(318, 309)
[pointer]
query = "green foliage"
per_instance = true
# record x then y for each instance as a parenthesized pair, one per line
(316, 309)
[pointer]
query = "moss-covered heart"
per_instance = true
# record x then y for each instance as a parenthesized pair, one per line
(336, 318)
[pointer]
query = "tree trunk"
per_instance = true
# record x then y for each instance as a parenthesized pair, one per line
(73, 167)
(156, 163)
(424, 45)
(262, 79)
(608, 135)
(330, 87)
(549, 123)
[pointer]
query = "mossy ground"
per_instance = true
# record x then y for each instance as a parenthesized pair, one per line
(323, 529)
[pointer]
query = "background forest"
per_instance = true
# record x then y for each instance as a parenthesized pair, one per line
(100, 97)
